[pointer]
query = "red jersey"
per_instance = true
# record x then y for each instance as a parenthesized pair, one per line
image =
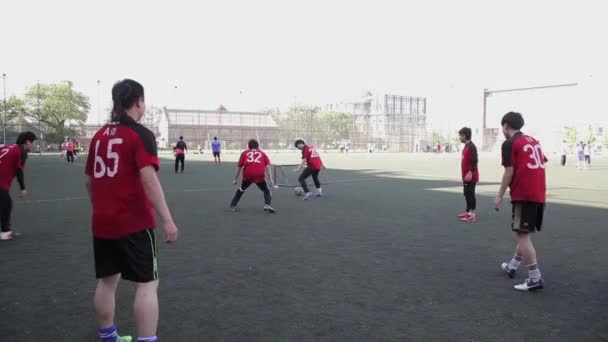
(525, 155)
(12, 158)
(116, 155)
(71, 147)
(178, 150)
(312, 157)
(469, 161)
(254, 164)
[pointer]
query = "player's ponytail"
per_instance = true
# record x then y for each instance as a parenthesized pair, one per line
(125, 94)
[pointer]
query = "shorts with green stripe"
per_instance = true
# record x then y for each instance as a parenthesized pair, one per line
(134, 257)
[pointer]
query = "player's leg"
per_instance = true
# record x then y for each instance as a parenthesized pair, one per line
(141, 266)
(302, 180)
(469, 195)
(6, 207)
(315, 179)
(183, 161)
(107, 269)
(532, 219)
(239, 193)
(267, 196)
(511, 267)
(465, 192)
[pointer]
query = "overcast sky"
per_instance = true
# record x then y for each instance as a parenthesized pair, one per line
(250, 55)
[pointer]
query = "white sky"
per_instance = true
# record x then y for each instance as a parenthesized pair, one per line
(251, 55)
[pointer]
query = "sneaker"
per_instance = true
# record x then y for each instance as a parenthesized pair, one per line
(124, 339)
(509, 271)
(306, 196)
(463, 214)
(530, 285)
(4, 236)
(269, 209)
(469, 218)
(233, 208)
(319, 194)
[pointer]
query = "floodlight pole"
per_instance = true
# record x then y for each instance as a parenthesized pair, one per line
(4, 119)
(487, 93)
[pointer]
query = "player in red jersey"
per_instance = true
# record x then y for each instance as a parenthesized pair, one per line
(313, 164)
(180, 154)
(524, 163)
(470, 174)
(70, 148)
(12, 162)
(254, 163)
(123, 187)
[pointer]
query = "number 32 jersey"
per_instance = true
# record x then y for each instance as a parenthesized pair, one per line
(116, 155)
(526, 156)
(254, 164)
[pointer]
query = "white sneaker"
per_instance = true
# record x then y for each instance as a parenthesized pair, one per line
(269, 209)
(530, 285)
(8, 235)
(306, 196)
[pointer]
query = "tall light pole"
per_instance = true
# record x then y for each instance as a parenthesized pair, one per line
(99, 101)
(4, 119)
(487, 93)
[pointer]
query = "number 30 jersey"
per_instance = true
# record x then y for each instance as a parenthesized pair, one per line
(254, 164)
(117, 153)
(525, 155)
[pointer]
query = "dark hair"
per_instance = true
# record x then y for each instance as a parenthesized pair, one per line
(298, 142)
(214, 138)
(466, 131)
(513, 120)
(124, 95)
(181, 137)
(25, 137)
(253, 144)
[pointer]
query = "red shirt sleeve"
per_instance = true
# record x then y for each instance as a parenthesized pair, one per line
(145, 154)
(266, 160)
(242, 159)
(21, 158)
(88, 170)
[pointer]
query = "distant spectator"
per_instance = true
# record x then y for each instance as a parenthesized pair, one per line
(580, 155)
(587, 153)
(564, 152)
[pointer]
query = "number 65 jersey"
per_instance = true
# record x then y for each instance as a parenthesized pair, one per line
(525, 155)
(117, 153)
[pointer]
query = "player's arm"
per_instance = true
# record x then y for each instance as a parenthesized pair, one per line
(269, 173)
(155, 194)
(507, 176)
(474, 158)
(238, 174)
(20, 174)
(21, 181)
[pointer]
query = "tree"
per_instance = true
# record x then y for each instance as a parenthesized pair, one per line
(570, 134)
(15, 107)
(438, 137)
(57, 106)
(590, 136)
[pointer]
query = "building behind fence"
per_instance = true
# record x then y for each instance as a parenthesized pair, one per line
(381, 123)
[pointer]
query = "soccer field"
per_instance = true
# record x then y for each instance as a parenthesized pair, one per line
(381, 258)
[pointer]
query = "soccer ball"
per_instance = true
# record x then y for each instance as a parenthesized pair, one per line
(299, 191)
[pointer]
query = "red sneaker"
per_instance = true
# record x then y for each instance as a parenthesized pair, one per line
(469, 218)
(463, 214)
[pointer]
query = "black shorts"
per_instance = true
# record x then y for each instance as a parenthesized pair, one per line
(527, 216)
(134, 257)
(216, 154)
